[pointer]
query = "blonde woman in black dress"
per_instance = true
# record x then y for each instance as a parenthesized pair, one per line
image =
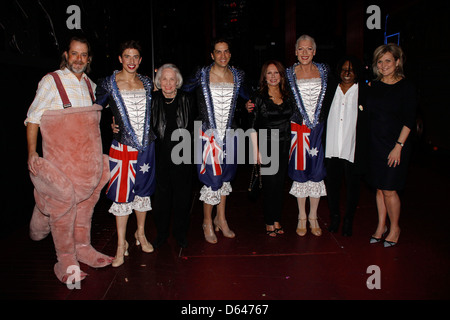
(392, 105)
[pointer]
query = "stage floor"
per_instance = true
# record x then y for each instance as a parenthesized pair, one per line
(254, 266)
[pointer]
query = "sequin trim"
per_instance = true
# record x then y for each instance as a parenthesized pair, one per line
(204, 80)
(131, 136)
(290, 74)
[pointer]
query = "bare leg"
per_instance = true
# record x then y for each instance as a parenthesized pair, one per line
(302, 208)
(140, 232)
(314, 205)
(208, 229)
(301, 226)
(220, 221)
(392, 202)
(122, 245)
(382, 214)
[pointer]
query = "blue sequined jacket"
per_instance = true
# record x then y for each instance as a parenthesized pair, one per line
(107, 93)
(200, 82)
(323, 102)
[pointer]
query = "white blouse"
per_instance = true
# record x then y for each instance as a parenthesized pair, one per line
(341, 124)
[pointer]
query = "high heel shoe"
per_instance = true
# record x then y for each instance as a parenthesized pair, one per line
(208, 231)
(301, 227)
(377, 240)
(121, 253)
(315, 230)
(142, 241)
(388, 243)
(227, 232)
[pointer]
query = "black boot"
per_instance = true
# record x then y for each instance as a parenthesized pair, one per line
(334, 223)
(347, 227)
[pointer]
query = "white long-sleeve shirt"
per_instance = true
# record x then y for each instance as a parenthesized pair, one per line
(341, 125)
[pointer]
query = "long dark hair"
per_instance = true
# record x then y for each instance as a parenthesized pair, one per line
(263, 88)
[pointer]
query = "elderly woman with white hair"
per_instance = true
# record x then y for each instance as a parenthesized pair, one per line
(172, 109)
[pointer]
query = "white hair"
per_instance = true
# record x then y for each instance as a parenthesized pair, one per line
(305, 37)
(168, 66)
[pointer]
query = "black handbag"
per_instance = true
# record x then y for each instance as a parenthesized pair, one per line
(255, 187)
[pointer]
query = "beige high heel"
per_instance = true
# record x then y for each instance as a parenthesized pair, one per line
(301, 227)
(315, 230)
(208, 231)
(141, 240)
(226, 231)
(121, 253)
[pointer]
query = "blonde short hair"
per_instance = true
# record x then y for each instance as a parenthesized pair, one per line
(305, 37)
(168, 66)
(396, 52)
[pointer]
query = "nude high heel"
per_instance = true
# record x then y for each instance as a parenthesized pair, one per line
(141, 240)
(208, 231)
(315, 230)
(122, 252)
(227, 232)
(301, 227)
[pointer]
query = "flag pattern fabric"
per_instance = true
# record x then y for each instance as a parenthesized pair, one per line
(132, 172)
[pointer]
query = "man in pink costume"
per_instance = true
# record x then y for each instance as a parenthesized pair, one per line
(69, 177)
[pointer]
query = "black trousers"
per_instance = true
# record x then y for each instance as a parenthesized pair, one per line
(274, 186)
(173, 197)
(339, 172)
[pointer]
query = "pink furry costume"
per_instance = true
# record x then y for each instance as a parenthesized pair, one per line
(70, 177)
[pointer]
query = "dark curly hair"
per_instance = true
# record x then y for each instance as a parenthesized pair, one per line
(130, 44)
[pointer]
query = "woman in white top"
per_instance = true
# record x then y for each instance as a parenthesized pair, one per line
(308, 82)
(346, 143)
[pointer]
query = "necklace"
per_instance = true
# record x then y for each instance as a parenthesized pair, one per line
(169, 102)
(173, 99)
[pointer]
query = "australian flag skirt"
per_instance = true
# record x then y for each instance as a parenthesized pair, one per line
(132, 172)
(218, 160)
(306, 155)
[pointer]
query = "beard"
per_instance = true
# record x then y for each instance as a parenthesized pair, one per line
(77, 67)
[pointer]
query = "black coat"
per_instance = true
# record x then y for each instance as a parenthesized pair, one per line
(185, 113)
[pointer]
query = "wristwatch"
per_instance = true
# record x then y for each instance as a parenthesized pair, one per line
(400, 143)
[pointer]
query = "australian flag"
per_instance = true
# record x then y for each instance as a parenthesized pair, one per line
(132, 172)
(306, 157)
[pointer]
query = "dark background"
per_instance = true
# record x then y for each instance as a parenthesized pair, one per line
(33, 35)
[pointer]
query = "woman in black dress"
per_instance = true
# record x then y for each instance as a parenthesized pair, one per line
(392, 105)
(272, 110)
(172, 109)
